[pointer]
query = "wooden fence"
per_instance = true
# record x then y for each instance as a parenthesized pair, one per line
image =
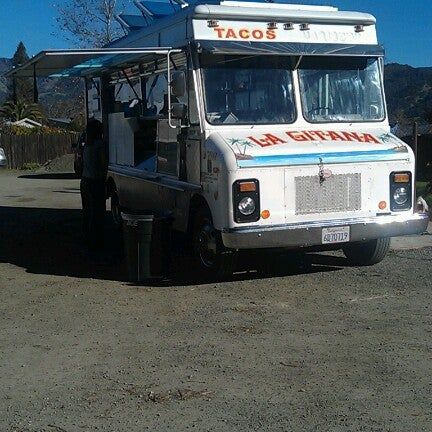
(37, 148)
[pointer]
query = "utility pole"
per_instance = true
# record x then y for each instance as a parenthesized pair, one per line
(415, 147)
(415, 140)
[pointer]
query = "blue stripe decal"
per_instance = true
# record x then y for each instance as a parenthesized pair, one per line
(314, 158)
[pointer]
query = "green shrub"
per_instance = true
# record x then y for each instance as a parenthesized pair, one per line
(30, 166)
(421, 189)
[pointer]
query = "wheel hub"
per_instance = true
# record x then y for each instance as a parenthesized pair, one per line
(207, 245)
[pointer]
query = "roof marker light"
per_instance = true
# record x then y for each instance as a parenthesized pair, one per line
(272, 26)
(304, 27)
(212, 23)
(288, 26)
(359, 28)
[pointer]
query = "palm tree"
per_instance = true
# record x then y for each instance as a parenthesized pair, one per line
(20, 110)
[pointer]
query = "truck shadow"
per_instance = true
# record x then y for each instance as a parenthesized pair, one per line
(259, 266)
(50, 176)
(49, 241)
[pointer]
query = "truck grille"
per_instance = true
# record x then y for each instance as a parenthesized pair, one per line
(338, 193)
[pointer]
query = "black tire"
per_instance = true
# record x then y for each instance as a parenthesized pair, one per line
(367, 253)
(116, 210)
(78, 169)
(213, 258)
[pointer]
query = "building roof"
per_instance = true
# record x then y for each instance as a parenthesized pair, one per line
(26, 122)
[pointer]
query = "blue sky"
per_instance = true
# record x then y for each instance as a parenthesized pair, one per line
(404, 26)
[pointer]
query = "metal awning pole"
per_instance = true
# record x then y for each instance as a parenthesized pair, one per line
(86, 100)
(169, 90)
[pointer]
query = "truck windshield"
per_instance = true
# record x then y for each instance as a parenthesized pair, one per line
(344, 89)
(248, 89)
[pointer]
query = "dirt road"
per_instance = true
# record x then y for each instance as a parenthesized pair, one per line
(320, 347)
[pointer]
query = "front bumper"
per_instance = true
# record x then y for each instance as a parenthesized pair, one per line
(310, 233)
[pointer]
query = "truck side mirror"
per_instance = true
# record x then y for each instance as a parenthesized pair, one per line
(178, 111)
(178, 84)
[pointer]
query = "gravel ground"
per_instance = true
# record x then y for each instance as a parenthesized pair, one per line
(319, 347)
(61, 164)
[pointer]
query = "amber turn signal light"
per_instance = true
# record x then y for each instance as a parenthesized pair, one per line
(247, 187)
(382, 205)
(401, 178)
(265, 214)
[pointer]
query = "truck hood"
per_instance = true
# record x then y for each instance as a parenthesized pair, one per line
(306, 147)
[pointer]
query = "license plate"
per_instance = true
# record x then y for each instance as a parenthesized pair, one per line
(336, 235)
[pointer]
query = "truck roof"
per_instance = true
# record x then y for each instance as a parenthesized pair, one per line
(277, 5)
(219, 27)
(171, 31)
(153, 12)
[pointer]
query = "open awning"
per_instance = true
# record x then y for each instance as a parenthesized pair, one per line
(289, 48)
(84, 62)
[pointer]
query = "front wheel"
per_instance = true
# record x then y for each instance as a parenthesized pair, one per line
(78, 168)
(214, 260)
(367, 253)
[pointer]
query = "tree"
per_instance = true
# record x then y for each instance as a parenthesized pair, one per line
(15, 111)
(22, 88)
(90, 22)
(20, 56)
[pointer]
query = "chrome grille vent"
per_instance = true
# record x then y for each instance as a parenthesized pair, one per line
(339, 193)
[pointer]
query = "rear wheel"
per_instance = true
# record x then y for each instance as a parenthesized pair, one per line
(116, 209)
(367, 253)
(214, 260)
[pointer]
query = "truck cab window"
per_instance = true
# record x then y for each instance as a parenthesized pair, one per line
(156, 93)
(192, 100)
(248, 89)
(127, 98)
(94, 105)
(341, 89)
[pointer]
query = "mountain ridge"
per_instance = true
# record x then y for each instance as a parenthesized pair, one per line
(408, 93)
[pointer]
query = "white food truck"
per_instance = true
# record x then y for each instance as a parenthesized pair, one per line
(257, 125)
(2, 158)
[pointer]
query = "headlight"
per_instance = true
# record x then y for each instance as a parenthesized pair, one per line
(246, 206)
(400, 191)
(401, 195)
(246, 201)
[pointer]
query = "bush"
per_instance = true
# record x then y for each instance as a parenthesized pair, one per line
(423, 191)
(30, 166)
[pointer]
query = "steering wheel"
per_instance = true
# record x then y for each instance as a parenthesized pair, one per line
(321, 108)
